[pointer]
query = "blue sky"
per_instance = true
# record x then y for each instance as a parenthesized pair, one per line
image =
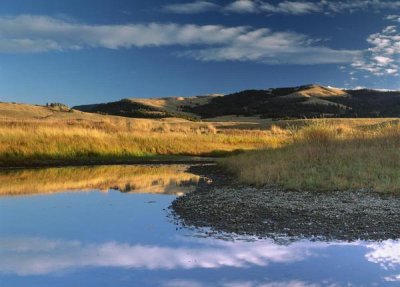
(79, 51)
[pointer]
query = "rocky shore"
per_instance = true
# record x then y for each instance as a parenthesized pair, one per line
(227, 206)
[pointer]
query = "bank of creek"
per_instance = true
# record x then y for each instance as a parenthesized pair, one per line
(224, 205)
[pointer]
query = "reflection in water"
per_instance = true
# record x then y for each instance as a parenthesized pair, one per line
(28, 256)
(193, 283)
(115, 239)
(387, 255)
(167, 179)
(38, 256)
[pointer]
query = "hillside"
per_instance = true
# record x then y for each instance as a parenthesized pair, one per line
(310, 101)
(150, 108)
(19, 111)
(303, 102)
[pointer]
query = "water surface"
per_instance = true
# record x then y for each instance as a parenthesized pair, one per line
(109, 226)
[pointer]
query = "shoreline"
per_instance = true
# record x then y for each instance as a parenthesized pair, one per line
(98, 162)
(226, 206)
(223, 204)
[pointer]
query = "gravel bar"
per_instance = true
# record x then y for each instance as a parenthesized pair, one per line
(227, 206)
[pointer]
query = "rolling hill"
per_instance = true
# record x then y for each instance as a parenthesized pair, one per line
(309, 101)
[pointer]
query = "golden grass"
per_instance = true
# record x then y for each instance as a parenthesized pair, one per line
(150, 179)
(325, 156)
(300, 154)
(33, 140)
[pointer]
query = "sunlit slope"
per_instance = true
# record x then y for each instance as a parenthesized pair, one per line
(317, 91)
(318, 95)
(177, 104)
(310, 101)
(150, 108)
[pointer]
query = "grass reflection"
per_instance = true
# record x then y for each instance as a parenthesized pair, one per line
(162, 179)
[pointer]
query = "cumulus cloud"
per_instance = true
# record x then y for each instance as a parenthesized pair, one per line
(28, 33)
(191, 7)
(299, 7)
(383, 57)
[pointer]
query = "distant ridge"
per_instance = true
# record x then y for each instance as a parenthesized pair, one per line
(308, 101)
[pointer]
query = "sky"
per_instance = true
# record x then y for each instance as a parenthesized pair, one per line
(84, 51)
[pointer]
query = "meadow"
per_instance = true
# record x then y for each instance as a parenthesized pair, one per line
(327, 155)
(40, 136)
(315, 154)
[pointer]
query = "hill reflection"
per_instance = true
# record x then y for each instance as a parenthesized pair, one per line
(161, 179)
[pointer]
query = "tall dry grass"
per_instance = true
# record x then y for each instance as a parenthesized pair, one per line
(323, 156)
(42, 140)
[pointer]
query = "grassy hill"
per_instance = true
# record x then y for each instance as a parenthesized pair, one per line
(310, 101)
(303, 102)
(150, 108)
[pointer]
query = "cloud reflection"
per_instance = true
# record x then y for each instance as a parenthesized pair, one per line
(193, 283)
(386, 253)
(37, 256)
(41, 256)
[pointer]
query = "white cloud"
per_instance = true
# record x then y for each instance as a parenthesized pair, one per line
(383, 57)
(383, 61)
(291, 7)
(27, 33)
(393, 278)
(391, 71)
(292, 283)
(191, 8)
(393, 18)
(278, 48)
(390, 30)
(295, 7)
(195, 283)
(242, 6)
(41, 33)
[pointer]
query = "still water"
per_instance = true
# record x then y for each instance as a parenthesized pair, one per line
(109, 226)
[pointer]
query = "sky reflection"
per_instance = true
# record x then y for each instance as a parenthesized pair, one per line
(116, 239)
(40, 256)
(37, 256)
